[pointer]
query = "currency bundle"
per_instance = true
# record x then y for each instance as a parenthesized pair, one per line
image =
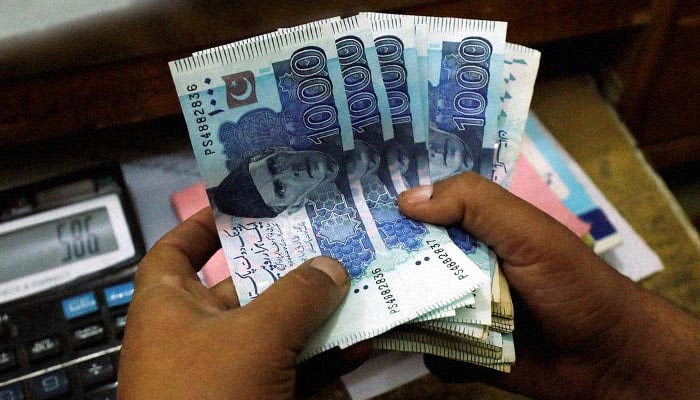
(306, 136)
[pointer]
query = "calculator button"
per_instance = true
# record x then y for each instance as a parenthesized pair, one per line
(96, 371)
(49, 386)
(109, 394)
(80, 305)
(8, 360)
(118, 295)
(11, 392)
(44, 348)
(8, 330)
(115, 359)
(88, 335)
(119, 324)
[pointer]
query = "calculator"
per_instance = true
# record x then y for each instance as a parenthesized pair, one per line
(68, 252)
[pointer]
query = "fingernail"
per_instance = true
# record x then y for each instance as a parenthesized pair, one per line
(418, 194)
(332, 268)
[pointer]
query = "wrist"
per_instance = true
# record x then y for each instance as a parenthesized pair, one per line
(659, 346)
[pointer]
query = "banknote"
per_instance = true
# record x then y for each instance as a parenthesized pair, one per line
(464, 72)
(441, 312)
(504, 306)
(396, 47)
(422, 342)
(422, 56)
(491, 346)
(465, 59)
(495, 283)
(519, 71)
(520, 67)
(463, 66)
(448, 310)
(462, 330)
(478, 313)
(402, 46)
(379, 160)
(394, 40)
(271, 130)
(515, 99)
(270, 35)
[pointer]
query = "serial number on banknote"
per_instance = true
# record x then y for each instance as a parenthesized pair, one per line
(385, 291)
(200, 119)
(447, 261)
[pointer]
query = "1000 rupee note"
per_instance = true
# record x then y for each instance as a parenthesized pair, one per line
(266, 124)
(519, 74)
(420, 342)
(396, 47)
(377, 162)
(520, 71)
(463, 67)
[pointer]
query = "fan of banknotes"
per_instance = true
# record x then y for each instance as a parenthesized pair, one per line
(306, 136)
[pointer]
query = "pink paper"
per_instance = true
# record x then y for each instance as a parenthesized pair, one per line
(186, 203)
(529, 186)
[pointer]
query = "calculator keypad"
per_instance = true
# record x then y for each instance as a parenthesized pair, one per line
(69, 350)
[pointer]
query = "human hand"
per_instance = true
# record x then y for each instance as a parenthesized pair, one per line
(582, 329)
(184, 341)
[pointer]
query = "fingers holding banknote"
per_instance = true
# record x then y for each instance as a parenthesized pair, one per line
(582, 328)
(186, 341)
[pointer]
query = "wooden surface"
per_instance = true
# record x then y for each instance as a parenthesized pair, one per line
(593, 134)
(661, 77)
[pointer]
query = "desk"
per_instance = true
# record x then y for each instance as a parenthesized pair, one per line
(592, 133)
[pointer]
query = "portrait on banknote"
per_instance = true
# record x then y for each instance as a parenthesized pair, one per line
(448, 154)
(273, 181)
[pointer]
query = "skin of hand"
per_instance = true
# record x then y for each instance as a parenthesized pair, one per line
(582, 329)
(186, 341)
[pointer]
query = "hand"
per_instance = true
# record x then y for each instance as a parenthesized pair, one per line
(184, 341)
(582, 329)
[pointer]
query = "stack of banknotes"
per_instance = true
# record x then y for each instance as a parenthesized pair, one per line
(306, 136)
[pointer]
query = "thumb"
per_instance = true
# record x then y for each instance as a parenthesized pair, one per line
(298, 304)
(518, 232)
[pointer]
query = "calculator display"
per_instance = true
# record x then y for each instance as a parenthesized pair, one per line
(49, 248)
(58, 242)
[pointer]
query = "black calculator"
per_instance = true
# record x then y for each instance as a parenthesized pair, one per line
(68, 252)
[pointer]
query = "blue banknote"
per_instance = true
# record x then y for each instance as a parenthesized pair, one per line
(463, 67)
(271, 129)
(520, 67)
(379, 159)
(396, 49)
(465, 59)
